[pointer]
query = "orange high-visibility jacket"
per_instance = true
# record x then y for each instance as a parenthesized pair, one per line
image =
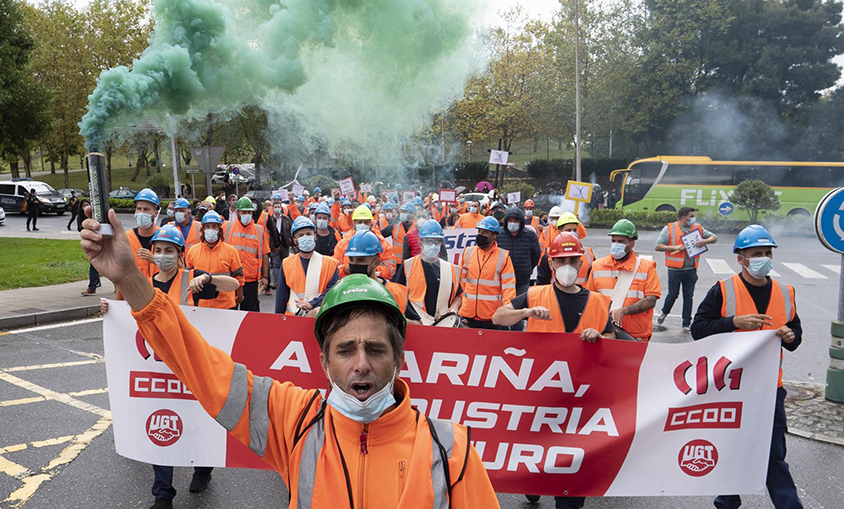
(221, 260)
(736, 301)
(264, 218)
(468, 220)
(180, 287)
(676, 260)
(398, 235)
(387, 267)
(147, 268)
(417, 287)
(605, 272)
(252, 243)
(399, 292)
(595, 314)
(586, 260)
(297, 280)
(534, 221)
(193, 236)
(488, 281)
(325, 458)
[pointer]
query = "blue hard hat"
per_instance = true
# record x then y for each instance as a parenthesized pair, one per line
(322, 209)
(301, 222)
(387, 206)
(753, 236)
(169, 234)
(364, 243)
(417, 201)
(149, 195)
(431, 230)
(330, 202)
(489, 224)
(212, 217)
(181, 203)
(300, 198)
(345, 202)
(312, 206)
(277, 196)
(317, 190)
(408, 207)
(398, 187)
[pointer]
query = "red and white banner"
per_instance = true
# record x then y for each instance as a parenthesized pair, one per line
(550, 414)
(458, 240)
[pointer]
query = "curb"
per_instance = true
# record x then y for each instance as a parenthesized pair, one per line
(45, 317)
(818, 390)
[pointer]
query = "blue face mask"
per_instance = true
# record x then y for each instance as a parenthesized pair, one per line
(143, 220)
(306, 243)
(361, 411)
(692, 220)
(618, 250)
(322, 224)
(211, 236)
(180, 217)
(513, 227)
(760, 267)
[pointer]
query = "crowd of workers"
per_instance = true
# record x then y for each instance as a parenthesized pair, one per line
(524, 272)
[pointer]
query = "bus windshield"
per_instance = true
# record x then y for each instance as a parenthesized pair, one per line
(640, 180)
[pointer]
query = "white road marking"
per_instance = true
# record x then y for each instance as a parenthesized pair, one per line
(56, 325)
(834, 268)
(774, 273)
(53, 395)
(804, 271)
(720, 266)
(50, 366)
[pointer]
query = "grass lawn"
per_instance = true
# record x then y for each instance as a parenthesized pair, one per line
(40, 262)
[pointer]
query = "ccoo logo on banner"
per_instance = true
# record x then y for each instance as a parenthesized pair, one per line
(550, 414)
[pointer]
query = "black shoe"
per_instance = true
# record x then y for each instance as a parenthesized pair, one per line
(34, 229)
(199, 483)
(532, 498)
(162, 503)
(27, 229)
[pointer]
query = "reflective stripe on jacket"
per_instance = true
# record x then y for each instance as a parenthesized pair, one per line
(252, 244)
(595, 314)
(221, 260)
(193, 237)
(488, 281)
(398, 239)
(417, 286)
(678, 260)
(399, 467)
(387, 264)
(296, 279)
(736, 301)
(147, 268)
(180, 287)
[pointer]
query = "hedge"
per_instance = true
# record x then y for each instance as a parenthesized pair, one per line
(473, 171)
(563, 169)
(126, 203)
(778, 225)
(642, 219)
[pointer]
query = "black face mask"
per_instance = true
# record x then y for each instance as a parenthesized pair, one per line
(358, 269)
(483, 241)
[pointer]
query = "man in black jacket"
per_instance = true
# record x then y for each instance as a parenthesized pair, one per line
(523, 246)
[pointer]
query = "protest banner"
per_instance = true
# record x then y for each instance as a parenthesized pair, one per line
(347, 187)
(285, 194)
(458, 240)
(298, 190)
(448, 196)
(514, 197)
(366, 188)
(407, 196)
(550, 414)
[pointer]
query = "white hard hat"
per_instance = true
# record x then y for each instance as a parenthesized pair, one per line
(555, 211)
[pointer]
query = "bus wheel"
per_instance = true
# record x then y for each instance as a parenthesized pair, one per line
(798, 212)
(666, 208)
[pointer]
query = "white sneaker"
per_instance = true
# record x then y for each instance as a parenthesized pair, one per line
(687, 330)
(661, 318)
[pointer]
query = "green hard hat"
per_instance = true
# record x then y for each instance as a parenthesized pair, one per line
(244, 203)
(626, 228)
(358, 291)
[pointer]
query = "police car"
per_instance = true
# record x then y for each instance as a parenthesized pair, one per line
(2, 216)
(13, 196)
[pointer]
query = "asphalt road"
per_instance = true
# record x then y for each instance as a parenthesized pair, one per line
(52, 396)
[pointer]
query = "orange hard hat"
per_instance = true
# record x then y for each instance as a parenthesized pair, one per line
(529, 203)
(565, 244)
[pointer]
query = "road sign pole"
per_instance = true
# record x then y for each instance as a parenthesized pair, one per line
(174, 149)
(829, 227)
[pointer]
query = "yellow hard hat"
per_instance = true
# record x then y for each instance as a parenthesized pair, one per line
(567, 218)
(362, 213)
(211, 200)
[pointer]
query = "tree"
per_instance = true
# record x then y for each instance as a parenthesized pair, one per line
(23, 103)
(753, 195)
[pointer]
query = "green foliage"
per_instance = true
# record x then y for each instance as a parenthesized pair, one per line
(526, 190)
(126, 203)
(753, 195)
(556, 168)
(159, 183)
(40, 262)
(605, 218)
(473, 171)
(563, 169)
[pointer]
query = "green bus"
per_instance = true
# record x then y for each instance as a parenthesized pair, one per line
(666, 183)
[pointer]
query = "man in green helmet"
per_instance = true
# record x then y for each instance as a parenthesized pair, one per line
(253, 245)
(630, 281)
(319, 445)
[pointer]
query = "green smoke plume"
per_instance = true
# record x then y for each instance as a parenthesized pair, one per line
(362, 75)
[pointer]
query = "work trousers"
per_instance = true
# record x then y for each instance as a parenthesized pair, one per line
(275, 266)
(781, 486)
(687, 278)
(250, 297)
(569, 502)
(162, 486)
(93, 278)
(32, 215)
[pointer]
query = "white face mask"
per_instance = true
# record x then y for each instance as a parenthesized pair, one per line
(169, 212)
(388, 215)
(430, 252)
(245, 219)
(322, 224)
(361, 411)
(277, 210)
(165, 262)
(566, 275)
(306, 243)
(528, 213)
(180, 217)
(403, 217)
(361, 227)
(512, 227)
(618, 250)
(760, 267)
(692, 220)
(143, 220)
(473, 210)
(211, 236)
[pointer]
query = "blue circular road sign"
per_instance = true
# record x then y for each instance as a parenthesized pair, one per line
(829, 220)
(726, 208)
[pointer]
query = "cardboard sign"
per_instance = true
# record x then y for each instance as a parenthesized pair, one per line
(579, 191)
(408, 196)
(298, 190)
(514, 197)
(498, 156)
(366, 188)
(448, 196)
(285, 194)
(347, 187)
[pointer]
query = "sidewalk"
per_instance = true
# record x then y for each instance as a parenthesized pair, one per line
(25, 307)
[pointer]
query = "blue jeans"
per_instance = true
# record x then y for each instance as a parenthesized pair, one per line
(93, 278)
(569, 502)
(687, 278)
(162, 487)
(780, 484)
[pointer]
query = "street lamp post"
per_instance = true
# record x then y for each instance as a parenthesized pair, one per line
(468, 150)
(577, 89)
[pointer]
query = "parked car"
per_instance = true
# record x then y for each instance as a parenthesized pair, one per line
(80, 193)
(13, 196)
(482, 198)
(545, 202)
(2, 216)
(259, 195)
(123, 193)
(220, 176)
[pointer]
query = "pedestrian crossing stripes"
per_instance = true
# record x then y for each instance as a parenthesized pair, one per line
(834, 268)
(721, 267)
(804, 271)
